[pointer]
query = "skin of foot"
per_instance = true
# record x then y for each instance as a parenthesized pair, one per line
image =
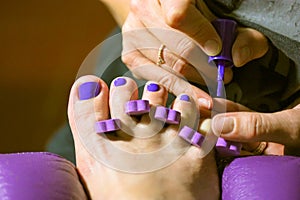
(188, 176)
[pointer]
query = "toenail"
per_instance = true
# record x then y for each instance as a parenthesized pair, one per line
(153, 87)
(191, 136)
(137, 107)
(120, 81)
(167, 115)
(88, 90)
(108, 125)
(228, 148)
(185, 97)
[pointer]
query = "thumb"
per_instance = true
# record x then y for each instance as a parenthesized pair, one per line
(280, 127)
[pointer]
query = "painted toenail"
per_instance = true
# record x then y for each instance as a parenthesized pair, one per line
(137, 107)
(167, 115)
(108, 125)
(228, 148)
(88, 90)
(152, 87)
(191, 136)
(120, 82)
(185, 97)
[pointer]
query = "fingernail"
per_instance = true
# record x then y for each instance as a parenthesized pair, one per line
(223, 125)
(243, 55)
(152, 87)
(120, 82)
(185, 97)
(212, 47)
(88, 90)
(204, 103)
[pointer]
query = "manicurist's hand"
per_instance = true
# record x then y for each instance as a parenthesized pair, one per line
(166, 41)
(280, 127)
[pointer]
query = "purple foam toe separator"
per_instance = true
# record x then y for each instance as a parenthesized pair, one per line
(173, 117)
(167, 115)
(191, 136)
(137, 107)
(228, 148)
(161, 113)
(107, 125)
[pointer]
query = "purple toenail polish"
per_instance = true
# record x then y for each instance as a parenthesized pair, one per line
(167, 115)
(228, 148)
(137, 107)
(152, 87)
(88, 90)
(191, 136)
(109, 125)
(185, 97)
(120, 81)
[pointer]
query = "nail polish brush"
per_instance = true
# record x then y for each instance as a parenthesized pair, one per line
(227, 30)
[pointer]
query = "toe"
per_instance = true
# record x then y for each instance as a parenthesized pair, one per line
(155, 94)
(88, 103)
(190, 117)
(122, 90)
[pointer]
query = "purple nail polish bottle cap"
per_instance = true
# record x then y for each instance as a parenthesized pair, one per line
(137, 107)
(227, 31)
(228, 148)
(108, 125)
(191, 136)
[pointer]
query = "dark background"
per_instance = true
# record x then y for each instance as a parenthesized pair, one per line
(42, 45)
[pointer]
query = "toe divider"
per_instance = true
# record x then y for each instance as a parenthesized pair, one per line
(228, 148)
(191, 136)
(167, 115)
(109, 125)
(137, 107)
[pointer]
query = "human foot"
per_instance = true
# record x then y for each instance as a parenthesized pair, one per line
(147, 160)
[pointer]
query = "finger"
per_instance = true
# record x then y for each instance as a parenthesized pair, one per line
(249, 45)
(224, 105)
(281, 127)
(145, 69)
(148, 45)
(184, 16)
(181, 54)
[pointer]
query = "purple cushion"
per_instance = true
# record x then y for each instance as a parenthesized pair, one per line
(262, 177)
(30, 176)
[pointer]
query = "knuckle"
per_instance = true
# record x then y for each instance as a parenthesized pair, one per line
(257, 125)
(134, 5)
(175, 18)
(126, 59)
(168, 82)
(175, 85)
(185, 46)
(129, 59)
